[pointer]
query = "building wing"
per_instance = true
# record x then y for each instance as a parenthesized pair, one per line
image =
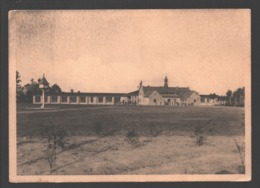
(168, 91)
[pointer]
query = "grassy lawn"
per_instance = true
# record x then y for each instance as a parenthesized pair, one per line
(131, 140)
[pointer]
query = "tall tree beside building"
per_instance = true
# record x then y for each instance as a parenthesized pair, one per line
(30, 89)
(55, 88)
(25, 93)
(213, 95)
(229, 96)
(19, 91)
(238, 96)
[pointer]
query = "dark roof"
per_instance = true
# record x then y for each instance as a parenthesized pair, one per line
(43, 81)
(86, 94)
(133, 93)
(204, 95)
(148, 93)
(166, 90)
(179, 92)
(186, 94)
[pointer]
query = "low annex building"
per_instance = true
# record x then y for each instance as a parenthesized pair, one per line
(145, 95)
(208, 100)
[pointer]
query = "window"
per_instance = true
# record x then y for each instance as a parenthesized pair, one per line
(64, 99)
(194, 100)
(73, 99)
(45, 99)
(91, 99)
(37, 98)
(82, 99)
(108, 99)
(154, 100)
(169, 100)
(100, 99)
(54, 99)
(117, 99)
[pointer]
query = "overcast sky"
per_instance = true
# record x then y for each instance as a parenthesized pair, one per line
(112, 50)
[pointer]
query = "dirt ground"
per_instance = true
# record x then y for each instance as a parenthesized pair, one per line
(132, 140)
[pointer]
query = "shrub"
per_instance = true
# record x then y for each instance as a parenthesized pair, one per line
(132, 137)
(56, 138)
(200, 139)
(241, 168)
(155, 131)
(51, 155)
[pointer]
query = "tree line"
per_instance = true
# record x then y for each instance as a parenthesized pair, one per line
(232, 98)
(236, 98)
(25, 93)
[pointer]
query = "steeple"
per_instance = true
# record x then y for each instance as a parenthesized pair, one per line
(166, 82)
(43, 83)
(141, 84)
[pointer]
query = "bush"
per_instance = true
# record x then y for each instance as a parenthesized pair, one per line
(55, 138)
(132, 137)
(241, 168)
(200, 139)
(155, 131)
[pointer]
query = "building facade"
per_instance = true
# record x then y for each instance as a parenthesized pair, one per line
(81, 98)
(165, 95)
(145, 95)
(207, 100)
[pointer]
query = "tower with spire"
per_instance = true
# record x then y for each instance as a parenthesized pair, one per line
(43, 83)
(141, 84)
(166, 82)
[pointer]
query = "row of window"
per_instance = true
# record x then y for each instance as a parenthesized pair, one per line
(168, 100)
(73, 99)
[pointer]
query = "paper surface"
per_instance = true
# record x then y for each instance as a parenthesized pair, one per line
(110, 51)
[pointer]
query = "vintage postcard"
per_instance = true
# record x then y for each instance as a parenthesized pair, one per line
(130, 95)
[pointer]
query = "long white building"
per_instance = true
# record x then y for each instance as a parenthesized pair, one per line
(145, 95)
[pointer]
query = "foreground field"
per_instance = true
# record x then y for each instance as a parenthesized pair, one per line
(130, 140)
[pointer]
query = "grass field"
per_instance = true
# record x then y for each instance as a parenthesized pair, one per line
(106, 140)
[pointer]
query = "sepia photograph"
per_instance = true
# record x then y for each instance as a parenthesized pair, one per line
(129, 95)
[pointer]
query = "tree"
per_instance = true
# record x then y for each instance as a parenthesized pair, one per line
(19, 91)
(213, 95)
(55, 88)
(239, 96)
(28, 90)
(31, 89)
(229, 95)
(18, 76)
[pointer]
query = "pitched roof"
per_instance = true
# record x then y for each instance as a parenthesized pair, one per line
(166, 90)
(148, 93)
(133, 93)
(43, 81)
(87, 94)
(175, 92)
(186, 94)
